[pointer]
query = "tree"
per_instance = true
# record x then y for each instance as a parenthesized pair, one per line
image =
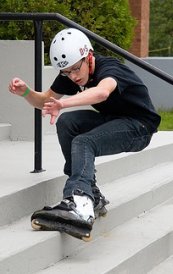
(109, 18)
(161, 28)
(24, 30)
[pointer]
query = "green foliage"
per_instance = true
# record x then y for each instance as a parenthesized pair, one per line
(161, 27)
(167, 119)
(109, 18)
(24, 30)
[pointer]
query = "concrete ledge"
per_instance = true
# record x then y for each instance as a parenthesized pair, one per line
(133, 248)
(129, 197)
(133, 182)
(26, 198)
(166, 267)
(23, 192)
(5, 131)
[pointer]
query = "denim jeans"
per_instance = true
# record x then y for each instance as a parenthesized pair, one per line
(86, 134)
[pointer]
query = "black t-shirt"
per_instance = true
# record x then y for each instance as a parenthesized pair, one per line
(129, 99)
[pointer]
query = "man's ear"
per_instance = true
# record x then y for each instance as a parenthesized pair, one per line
(90, 61)
(89, 56)
(87, 59)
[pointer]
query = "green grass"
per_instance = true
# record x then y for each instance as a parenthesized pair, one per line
(166, 120)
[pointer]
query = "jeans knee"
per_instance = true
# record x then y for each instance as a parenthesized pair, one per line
(80, 140)
(62, 122)
(83, 143)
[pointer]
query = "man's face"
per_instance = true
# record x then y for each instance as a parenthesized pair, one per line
(78, 73)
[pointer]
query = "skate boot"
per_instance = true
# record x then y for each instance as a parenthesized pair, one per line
(99, 201)
(73, 216)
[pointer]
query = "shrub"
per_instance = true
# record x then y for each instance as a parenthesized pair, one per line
(109, 18)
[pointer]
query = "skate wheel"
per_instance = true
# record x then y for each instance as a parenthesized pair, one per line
(103, 212)
(35, 225)
(87, 238)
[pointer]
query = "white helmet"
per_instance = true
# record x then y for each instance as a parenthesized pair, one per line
(68, 47)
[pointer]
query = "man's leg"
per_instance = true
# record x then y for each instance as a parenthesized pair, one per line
(71, 124)
(115, 136)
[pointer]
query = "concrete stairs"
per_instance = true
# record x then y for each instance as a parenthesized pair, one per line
(136, 237)
(165, 267)
(5, 129)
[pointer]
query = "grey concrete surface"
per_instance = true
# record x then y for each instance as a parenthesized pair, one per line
(135, 236)
(17, 161)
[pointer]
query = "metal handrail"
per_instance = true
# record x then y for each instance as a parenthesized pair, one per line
(105, 43)
(38, 18)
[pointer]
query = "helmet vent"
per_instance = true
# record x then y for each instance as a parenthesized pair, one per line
(55, 59)
(63, 56)
(54, 41)
(62, 38)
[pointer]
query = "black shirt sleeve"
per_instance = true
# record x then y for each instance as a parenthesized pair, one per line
(112, 67)
(63, 85)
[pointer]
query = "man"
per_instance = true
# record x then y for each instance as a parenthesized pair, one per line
(123, 118)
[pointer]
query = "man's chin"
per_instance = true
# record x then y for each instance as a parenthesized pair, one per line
(81, 82)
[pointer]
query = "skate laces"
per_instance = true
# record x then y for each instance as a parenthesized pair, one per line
(68, 205)
(78, 205)
(84, 206)
(65, 204)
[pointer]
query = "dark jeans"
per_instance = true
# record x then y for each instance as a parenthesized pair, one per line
(86, 134)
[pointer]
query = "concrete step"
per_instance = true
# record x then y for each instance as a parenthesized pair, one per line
(166, 267)
(23, 192)
(25, 251)
(133, 182)
(5, 130)
(134, 247)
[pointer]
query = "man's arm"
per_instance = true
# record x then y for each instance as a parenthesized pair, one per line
(35, 98)
(90, 96)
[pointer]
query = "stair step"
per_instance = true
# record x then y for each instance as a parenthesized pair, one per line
(25, 251)
(134, 247)
(133, 182)
(23, 192)
(5, 129)
(138, 193)
(130, 163)
(166, 267)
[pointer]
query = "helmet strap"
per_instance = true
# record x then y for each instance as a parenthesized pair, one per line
(90, 59)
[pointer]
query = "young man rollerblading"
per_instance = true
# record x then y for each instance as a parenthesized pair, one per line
(123, 119)
(74, 216)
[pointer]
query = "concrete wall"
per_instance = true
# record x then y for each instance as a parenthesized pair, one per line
(17, 59)
(161, 92)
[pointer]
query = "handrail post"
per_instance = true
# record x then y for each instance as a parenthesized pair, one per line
(38, 87)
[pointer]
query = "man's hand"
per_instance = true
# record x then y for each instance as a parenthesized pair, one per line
(53, 108)
(17, 86)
